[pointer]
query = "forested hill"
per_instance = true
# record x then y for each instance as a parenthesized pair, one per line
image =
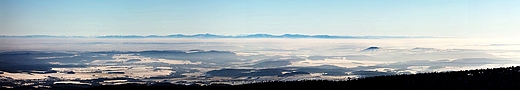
(482, 79)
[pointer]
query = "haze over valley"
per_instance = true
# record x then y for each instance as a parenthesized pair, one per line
(244, 60)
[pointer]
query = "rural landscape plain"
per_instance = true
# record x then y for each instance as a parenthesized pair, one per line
(239, 61)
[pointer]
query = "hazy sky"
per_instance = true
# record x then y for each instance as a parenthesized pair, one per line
(231, 17)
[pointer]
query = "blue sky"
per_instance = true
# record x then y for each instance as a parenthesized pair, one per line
(231, 17)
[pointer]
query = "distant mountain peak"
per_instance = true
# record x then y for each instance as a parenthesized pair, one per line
(372, 48)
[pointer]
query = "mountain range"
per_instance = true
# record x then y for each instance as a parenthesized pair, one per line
(207, 35)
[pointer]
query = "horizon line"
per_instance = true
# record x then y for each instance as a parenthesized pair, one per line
(211, 35)
(217, 34)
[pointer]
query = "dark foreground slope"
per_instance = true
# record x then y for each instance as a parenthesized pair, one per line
(497, 78)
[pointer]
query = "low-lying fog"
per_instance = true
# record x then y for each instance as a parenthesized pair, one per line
(192, 58)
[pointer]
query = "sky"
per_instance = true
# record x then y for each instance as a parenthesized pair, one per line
(233, 17)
